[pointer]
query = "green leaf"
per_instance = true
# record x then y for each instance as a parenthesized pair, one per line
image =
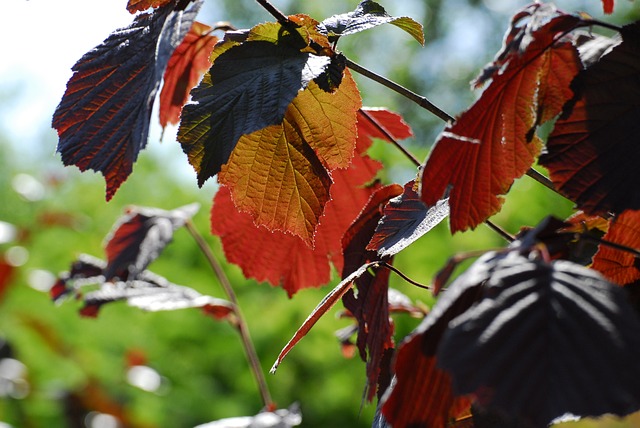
(367, 15)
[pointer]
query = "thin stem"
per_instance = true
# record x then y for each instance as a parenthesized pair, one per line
(241, 323)
(281, 17)
(389, 137)
(536, 175)
(402, 275)
(506, 235)
(418, 99)
(607, 243)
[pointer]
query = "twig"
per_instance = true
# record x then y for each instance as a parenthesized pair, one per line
(389, 137)
(500, 231)
(241, 323)
(281, 17)
(402, 275)
(418, 99)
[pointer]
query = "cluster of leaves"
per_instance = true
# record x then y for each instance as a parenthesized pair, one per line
(278, 118)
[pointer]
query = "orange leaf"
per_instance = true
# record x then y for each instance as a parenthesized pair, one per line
(186, 66)
(477, 158)
(279, 174)
(620, 266)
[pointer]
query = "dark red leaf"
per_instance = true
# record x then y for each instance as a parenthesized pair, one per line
(6, 275)
(570, 322)
(85, 270)
(477, 158)
(139, 237)
(618, 265)
(406, 218)
(184, 70)
(103, 118)
(386, 124)
(371, 306)
(591, 154)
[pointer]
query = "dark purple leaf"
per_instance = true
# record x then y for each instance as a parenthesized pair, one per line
(138, 238)
(406, 218)
(547, 339)
(103, 118)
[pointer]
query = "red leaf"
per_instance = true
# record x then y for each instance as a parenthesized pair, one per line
(371, 306)
(134, 6)
(618, 265)
(6, 275)
(380, 123)
(103, 118)
(477, 158)
(592, 153)
(283, 259)
(607, 6)
(188, 63)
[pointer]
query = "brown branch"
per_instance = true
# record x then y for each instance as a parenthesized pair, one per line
(281, 17)
(240, 323)
(389, 137)
(402, 275)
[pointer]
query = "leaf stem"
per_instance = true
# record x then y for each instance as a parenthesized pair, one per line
(500, 231)
(402, 275)
(281, 17)
(418, 99)
(241, 323)
(393, 141)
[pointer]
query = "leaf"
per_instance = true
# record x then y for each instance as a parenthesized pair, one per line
(617, 265)
(368, 14)
(477, 158)
(186, 66)
(569, 320)
(607, 6)
(154, 293)
(248, 87)
(322, 308)
(591, 153)
(7, 272)
(381, 123)
(85, 270)
(422, 393)
(279, 175)
(280, 418)
(134, 6)
(138, 238)
(370, 306)
(103, 118)
(405, 219)
(284, 259)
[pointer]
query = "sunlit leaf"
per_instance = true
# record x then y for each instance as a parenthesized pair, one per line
(591, 154)
(103, 118)
(138, 238)
(134, 6)
(477, 158)
(280, 418)
(284, 259)
(405, 219)
(569, 320)
(248, 87)
(85, 270)
(279, 174)
(368, 14)
(617, 265)
(154, 293)
(188, 63)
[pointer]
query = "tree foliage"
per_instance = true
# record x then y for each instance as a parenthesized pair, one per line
(527, 334)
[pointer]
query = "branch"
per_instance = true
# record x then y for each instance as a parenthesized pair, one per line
(241, 323)
(281, 17)
(393, 141)
(401, 275)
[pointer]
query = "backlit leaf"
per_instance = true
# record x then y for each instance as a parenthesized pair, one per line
(571, 323)
(591, 154)
(134, 6)
(103, 118)
(284, 259)
(138, 238)
(477, 158)
(405, 219)
(368, 14)
(188, 63)
(607, 6)
(618, 265)
(248, 87)
(370, 306)
(279, 174)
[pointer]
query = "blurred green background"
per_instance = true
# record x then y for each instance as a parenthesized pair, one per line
(71, 366)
